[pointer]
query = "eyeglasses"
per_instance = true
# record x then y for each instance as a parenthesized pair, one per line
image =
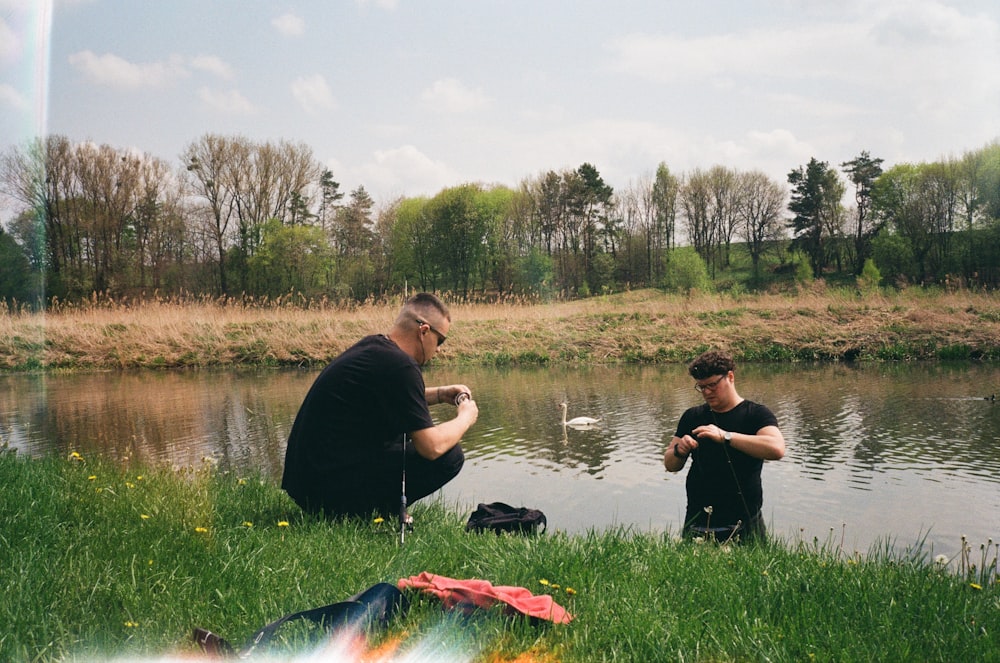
(441, 337)
(709, 386)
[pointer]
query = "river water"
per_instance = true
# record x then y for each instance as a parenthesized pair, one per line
(886, 453)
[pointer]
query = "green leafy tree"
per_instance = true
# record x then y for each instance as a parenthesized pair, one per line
(537, 272)
(918, 202)
(591, 202)
(504, 237)
(19, 283)
(291, 259)
(412, 245)
(458, 233)
(687, 272)
(862, 171)
(870, 277)
(815, 202)
(894, 255)
(330, 197)
(666, 189)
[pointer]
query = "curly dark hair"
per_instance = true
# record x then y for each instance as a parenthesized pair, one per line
(711, 363)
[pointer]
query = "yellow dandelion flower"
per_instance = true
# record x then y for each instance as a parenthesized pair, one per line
(144, 516)
(545, 582)
(131, 624)
(150, 562)
(379, 520)
(282, 523)
(201, 530)
(75, 455)
(975, 585)
(247, 523)
(570, 591)
(139, 478)
(129, 484)
(92, 477)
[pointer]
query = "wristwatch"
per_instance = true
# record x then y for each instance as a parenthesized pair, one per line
(727, 438)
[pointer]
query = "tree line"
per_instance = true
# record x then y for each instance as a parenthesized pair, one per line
(239, 218)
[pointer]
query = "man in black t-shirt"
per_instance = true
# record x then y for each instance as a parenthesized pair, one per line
(728, 439)
(346, 450)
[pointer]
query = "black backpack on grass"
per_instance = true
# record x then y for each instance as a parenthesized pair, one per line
(500, 517)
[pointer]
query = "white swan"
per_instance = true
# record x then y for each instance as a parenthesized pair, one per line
(580, 422)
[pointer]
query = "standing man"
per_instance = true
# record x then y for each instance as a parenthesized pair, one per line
(346, 450)
(728, 439)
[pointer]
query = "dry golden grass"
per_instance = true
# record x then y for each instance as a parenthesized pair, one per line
(638, 326)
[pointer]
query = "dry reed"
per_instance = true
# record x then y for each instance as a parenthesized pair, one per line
(637, 326)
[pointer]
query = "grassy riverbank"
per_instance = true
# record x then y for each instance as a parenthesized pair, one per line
(101, 561)
(642, 326)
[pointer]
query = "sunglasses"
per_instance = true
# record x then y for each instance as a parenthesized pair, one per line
(441, 337)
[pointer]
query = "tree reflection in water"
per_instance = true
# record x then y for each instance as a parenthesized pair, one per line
(881, 450)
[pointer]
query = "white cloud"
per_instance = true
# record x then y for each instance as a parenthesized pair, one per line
(779, 52)
(213, 65)
(289, 25)
(230, 102)
(404, 171)
(903, 46)
(10, 97)
(313, 94)
(450, 96)
(382, 4)
(109, 69)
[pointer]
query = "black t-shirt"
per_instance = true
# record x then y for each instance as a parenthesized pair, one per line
(356, 411)
(719, 473)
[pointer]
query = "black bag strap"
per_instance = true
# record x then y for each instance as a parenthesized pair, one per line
(376, 605)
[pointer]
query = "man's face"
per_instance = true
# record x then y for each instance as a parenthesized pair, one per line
(715, 388)
(433, 333)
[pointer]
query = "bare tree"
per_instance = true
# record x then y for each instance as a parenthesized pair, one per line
(209, 162)
(761, 201)
(696, 205)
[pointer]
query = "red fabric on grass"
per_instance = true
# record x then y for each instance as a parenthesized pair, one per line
(482, 594)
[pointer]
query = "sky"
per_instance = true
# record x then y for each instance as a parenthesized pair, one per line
(408, 97)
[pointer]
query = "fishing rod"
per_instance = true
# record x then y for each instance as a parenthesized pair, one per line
(402, 499)
(404, 518)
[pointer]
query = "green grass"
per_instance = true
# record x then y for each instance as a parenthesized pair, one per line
(97, 560)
